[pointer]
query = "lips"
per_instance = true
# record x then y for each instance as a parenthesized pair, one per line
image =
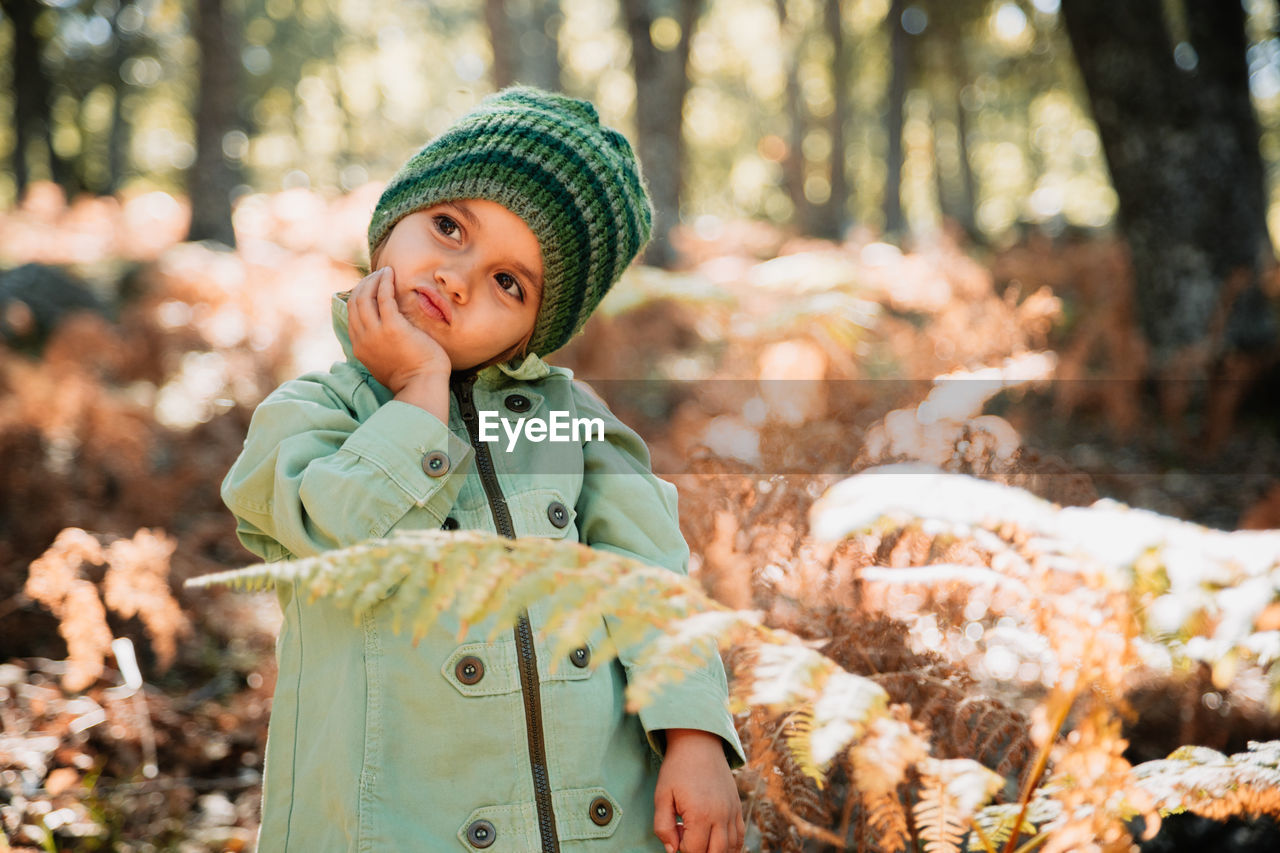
(432, 305)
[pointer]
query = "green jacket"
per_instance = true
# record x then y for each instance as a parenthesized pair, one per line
(375, 744)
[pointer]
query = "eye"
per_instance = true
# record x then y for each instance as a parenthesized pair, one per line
(446, 225)
(510, 284)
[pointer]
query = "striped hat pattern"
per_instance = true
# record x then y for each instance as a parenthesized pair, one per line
(545, 157)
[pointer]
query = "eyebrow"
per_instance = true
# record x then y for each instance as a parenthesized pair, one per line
(465, 213)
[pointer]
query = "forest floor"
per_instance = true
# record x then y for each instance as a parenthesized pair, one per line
(773, 364)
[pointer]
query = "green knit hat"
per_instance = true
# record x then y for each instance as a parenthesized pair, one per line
(544, 157)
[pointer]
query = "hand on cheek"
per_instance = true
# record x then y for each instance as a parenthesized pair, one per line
(394, 351)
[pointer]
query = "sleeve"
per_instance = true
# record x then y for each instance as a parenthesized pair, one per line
(312, 476)
(625, 509)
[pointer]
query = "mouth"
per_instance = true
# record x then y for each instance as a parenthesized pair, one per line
(432, 305)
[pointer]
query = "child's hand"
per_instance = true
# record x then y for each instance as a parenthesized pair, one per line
(396, 352)
(696, 784)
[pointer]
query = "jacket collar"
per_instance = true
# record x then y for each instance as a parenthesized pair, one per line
(531, 369)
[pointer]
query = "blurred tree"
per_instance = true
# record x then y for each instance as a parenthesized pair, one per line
(498, 20)
(526, 47)
(833, 216)
(944, 65)
(212, 177)
(660, 32)
(540, 45)
(126, 43)
(32, 94)
(1181, 139)
(899, 66)
(821, 217)
(797, 118)
(96, 46)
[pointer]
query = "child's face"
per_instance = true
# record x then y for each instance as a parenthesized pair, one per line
(469, 274)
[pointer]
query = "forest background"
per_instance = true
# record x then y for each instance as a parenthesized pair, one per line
(1067, 209)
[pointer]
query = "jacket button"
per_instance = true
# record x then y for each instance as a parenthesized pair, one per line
(436, 463)
(450, 523)
(469, 670)
(517, 402)
(558, 514)
(601, 811)
(481, 834)
(580, 656)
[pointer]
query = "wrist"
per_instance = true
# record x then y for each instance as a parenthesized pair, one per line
(427, 391)
(691, 737)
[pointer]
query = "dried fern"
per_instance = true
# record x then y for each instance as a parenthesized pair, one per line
(994, 824)
(1188, 576)
(136, 583)
(1204, 781)
(951, 792)
(664, 619)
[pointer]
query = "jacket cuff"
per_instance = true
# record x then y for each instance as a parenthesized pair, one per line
(689, 704)
(413, 448)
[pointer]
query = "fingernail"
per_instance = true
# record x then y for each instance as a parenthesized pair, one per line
(669, 848)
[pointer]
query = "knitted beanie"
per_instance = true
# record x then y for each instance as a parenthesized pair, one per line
(546, 158)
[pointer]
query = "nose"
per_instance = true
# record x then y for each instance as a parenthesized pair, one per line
(454, 281)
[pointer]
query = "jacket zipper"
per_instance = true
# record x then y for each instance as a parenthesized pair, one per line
(529, 685)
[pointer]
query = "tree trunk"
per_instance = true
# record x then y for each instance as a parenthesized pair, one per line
(836, 217)
(835, 213)
(793, 162)
(1182, 147)
(212, 178)
(1240, 236)
(966, 209)
(118, 138)
(505, 48)
(662, 81)
(526, 48)
(541, 45)
(32, 98)
(894, 222)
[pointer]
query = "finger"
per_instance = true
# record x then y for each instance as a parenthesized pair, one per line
(697, 837)
(664, 819)
(356, 303)
(388, 309)
(369, 297)
(719, 840)
(739, 836)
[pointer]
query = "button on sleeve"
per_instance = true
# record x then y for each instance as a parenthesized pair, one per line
(436, 463)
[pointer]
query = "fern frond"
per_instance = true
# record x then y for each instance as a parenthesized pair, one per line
(888, 822)
(666, 656)
(665, 619)
(952, 791)
(798, 734)
(1213, 785)
(788, 674)
(938, 822)
(995, 823)
(881, 758)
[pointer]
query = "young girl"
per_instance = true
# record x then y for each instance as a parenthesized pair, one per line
(492, 245)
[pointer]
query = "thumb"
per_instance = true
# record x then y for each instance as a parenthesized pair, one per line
(664, 819)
